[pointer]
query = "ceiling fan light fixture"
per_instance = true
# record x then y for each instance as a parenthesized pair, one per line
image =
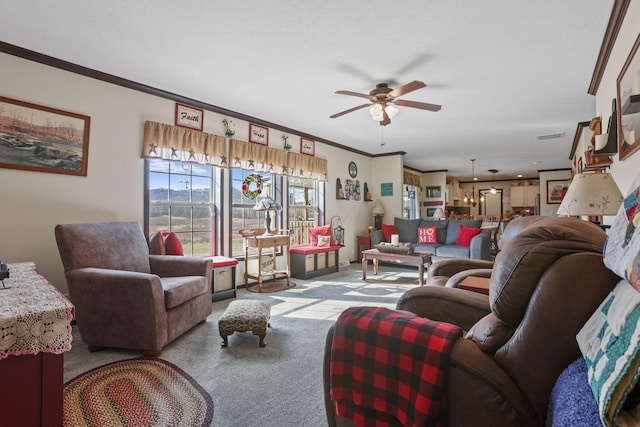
(391, 110)
(376, 112)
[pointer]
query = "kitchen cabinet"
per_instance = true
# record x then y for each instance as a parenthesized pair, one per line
(524, 195)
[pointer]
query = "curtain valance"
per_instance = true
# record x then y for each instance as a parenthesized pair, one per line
(411, 179)
(260, 158)
(307, 166)
(175, 143)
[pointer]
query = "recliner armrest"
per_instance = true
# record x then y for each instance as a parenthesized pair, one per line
(452, 305)
(449, 267)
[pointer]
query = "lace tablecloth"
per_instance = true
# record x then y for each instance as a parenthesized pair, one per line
(34, 316)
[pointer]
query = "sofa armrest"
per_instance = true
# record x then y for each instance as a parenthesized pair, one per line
(178, 266)
(118, 303)
(377, 237)
(452, 305)
(480, 247)
(451, 266)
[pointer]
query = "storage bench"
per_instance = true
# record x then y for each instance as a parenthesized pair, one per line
(223, 281)
(311, 261)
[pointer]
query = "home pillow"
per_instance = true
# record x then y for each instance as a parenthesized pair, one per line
(322, 230)
(387, 231)
(466, 234)
(156, 244)
(428, 235)
(610, 344)
(622, 248)
(172, 243)
(324, 241)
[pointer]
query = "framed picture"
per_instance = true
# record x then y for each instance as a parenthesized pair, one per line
(386, 189)
(258, 134)
(189, 117)
(43, 139)
(307, 146)
(554, 191)
(628, 85)
(434, 191)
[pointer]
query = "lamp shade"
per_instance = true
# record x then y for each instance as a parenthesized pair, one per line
(438, 214)
(591, 194)
(377, 209)
(267, 204)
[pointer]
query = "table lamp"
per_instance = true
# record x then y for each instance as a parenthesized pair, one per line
(378, 213)
(267, 204)
(591, 194)
(438, 214)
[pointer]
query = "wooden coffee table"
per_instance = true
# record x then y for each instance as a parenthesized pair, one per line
(417, 258)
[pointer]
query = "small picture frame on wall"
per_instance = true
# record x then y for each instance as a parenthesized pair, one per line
(307, 146)
(189, 117)
(386, 189)
(628, 94)
(258, 134)
(434, 192)
(554, 191)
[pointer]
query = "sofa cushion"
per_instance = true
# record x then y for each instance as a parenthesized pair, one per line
(442, 227)
(178, 290)
(407, 229)
(452, 251)
(322, 230)
(453, 228)
(387, 231)
(428, 235)
(466, 234)
(426, 248)
(156, 244)
(172, 243)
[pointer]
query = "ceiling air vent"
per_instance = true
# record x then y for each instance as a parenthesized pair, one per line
(550, 136)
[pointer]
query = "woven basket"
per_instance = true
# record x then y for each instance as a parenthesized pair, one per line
(399, 250)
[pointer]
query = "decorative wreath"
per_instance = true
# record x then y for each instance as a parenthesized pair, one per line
(246, 185)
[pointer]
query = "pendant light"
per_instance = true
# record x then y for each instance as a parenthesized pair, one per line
(470, 199)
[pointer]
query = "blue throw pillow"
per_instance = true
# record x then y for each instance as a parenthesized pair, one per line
(407, 229)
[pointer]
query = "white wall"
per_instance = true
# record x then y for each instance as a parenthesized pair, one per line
(624, 171)
(33, 203)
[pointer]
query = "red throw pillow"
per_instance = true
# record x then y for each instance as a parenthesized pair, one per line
(428, 235)
(322, 230)
(387, 231)
(172, 243)
(466, 234)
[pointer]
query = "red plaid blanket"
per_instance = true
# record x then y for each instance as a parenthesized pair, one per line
(389, 369)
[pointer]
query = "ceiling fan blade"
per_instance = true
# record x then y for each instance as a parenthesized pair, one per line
(414, 104)
(342, 113)
(361, 95)
(409, 87)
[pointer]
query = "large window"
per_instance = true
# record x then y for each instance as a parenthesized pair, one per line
(305, 205)
(410, 203)
(243, 216)
(180, 199)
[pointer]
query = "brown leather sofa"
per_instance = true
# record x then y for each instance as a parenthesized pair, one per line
(546, 282)
(125, 297)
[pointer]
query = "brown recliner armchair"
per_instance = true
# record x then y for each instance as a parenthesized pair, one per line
(125, 297)
(546, 282)
(450, 272)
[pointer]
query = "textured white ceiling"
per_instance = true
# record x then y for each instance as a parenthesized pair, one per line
(504, 71)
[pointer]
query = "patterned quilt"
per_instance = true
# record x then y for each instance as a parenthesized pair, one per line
(388, 368)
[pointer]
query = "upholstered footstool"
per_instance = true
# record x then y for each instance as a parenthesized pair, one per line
(243, 316)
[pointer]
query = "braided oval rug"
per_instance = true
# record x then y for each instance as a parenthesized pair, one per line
(136, 392)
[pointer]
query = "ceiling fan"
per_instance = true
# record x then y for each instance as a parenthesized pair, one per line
(384, 98)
